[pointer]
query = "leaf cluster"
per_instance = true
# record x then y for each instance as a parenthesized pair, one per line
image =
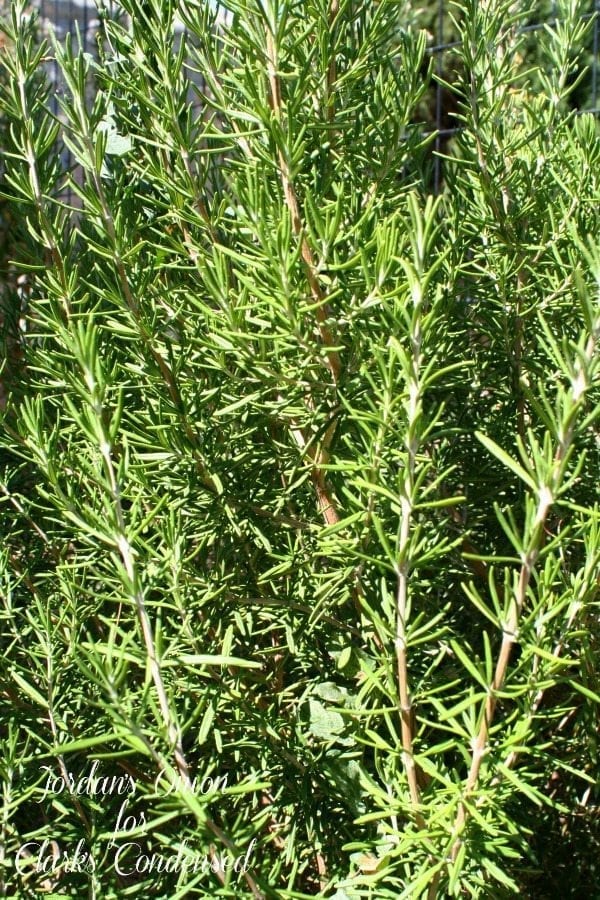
(301, 523)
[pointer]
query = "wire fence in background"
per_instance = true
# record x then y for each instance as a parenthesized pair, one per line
(443, 44)
(81, 18)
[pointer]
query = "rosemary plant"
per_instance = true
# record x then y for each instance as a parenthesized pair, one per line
(300, 535)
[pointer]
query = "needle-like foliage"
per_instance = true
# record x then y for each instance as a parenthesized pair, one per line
(301, 537)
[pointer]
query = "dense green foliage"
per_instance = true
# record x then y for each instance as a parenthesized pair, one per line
(10, 234)
(301, 538)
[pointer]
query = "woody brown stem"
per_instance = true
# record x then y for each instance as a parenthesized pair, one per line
(334, 9)
(518, 354)
(407, 720)
(546, 495)
(319, 457)
(293, 205)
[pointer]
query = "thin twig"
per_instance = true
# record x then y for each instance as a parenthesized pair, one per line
(413, 413)
(172, 729)
(291, 199)
(546, 496)
(320, 456)
(334, 8)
